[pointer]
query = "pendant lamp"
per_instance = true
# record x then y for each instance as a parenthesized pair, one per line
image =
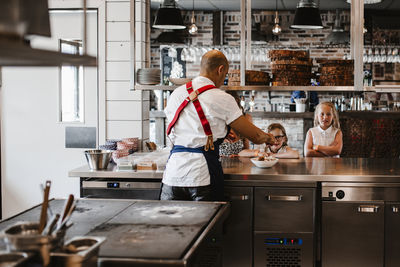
(307, 16)
(367, 2)
(193, 28)
(276, 30)
(338, 35)
(169, 17)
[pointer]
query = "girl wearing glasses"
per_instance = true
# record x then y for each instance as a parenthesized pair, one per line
(280, 150)
(325, 139)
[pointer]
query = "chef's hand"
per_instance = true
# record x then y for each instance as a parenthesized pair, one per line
(270, 140)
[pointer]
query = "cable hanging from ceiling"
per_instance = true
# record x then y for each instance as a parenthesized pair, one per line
(276, 30)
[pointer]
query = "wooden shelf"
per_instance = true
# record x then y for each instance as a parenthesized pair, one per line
(380, 88)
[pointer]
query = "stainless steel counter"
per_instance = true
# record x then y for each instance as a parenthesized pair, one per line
(305, 170)
(141, 232)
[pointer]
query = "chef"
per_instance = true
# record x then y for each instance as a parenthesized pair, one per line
(199, 116)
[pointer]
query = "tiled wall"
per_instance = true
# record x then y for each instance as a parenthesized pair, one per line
(294, 39)
(127, 112)
(294, 130)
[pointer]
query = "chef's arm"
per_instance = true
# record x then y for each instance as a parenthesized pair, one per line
(247, 129)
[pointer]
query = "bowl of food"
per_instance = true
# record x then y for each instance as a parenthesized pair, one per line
(264, 162)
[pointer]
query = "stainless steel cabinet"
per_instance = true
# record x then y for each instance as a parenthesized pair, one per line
(284, 223)
(237, 238)
(360, 224)
(352, 234)
(392, 234)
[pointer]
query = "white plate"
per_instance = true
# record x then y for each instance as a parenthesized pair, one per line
(264, 163)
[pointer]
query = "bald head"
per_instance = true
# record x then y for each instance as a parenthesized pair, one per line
(212, 60)
(214, 66)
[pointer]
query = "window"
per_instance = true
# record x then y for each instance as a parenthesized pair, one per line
(71, 85)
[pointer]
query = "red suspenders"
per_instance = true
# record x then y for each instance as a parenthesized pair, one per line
(204, 122)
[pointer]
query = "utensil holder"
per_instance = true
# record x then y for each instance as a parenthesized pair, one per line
(25, 237)
(80, 251)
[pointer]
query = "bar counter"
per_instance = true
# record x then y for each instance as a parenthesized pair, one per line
(304, 170)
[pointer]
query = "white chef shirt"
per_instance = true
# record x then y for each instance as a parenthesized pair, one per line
(188, 169)
(323, 137)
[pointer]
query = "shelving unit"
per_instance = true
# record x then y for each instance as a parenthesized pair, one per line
(380, 88)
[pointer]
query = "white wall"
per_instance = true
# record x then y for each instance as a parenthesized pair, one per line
(32, 139)
(127, 112)
(29, 110)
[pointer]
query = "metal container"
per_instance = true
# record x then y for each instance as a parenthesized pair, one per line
(13, 259)
(81, 251)
(25, 237)
(98, 159)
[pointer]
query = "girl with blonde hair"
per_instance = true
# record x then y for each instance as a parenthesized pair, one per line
(325, 138)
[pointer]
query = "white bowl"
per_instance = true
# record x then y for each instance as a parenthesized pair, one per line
(179, 81)
(264, 163)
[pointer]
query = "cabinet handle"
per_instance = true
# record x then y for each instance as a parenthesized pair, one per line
(284, 198)
(239, 197)
(368, 209)
(395, 209)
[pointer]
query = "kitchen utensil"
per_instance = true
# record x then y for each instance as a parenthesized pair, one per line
(45, 204)
(98, 159)
(78, 252)
(50, 211)
(50, 224)
(67, 207)
(264, 163)
(13, 259)
(25, 236)
(65, 220)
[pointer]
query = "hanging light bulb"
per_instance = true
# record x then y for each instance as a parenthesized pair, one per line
(193, 28)
(276, 30)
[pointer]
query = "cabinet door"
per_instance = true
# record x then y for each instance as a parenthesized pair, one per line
(392, 234)
(237, 239)
(285, 210)
(352, 234)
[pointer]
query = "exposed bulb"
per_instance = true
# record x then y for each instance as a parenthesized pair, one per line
(193, 28)
(276, 30)
(364, 30)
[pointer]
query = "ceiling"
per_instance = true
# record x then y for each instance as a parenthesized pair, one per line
(270, 4)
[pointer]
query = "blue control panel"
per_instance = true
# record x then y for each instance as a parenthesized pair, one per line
(284, 241)
(113, 185)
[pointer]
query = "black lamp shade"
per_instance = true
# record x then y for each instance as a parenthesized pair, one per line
(307, 18)
(169, 18)
(170, 37)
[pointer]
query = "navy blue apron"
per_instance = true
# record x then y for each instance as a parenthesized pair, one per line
(214, 167)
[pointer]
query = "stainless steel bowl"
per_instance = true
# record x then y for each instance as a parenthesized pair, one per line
(98, 159)
(14, 259)
(81, 251)
(24, 236)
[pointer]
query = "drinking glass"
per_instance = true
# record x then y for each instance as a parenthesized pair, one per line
(383, 55)
(389, 58)
(184, 54)
(396, 57)
(365, 56)
(376, 57)
(370, 56)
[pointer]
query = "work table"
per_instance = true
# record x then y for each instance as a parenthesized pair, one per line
(303, 170)
(152, 233)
